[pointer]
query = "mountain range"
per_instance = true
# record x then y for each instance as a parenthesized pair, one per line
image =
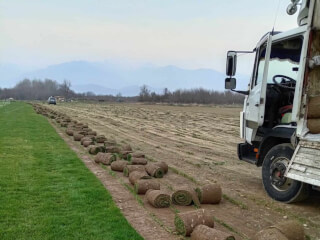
(107, 78)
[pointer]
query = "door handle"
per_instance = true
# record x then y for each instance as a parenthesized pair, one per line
(257, 104)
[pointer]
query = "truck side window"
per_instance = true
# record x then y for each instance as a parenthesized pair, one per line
(285, 58)
(261, 63)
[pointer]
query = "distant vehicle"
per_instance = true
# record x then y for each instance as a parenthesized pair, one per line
(52, 100)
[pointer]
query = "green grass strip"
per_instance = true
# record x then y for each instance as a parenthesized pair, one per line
(46, 191)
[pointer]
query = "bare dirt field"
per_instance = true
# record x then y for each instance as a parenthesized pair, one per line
(199, 144)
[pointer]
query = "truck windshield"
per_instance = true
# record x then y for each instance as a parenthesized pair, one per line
(284, 59)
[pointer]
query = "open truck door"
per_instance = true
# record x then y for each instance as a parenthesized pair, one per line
(253, 116)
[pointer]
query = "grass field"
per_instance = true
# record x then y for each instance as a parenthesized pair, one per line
(46, 192)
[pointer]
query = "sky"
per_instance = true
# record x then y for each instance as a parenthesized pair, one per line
(187, 33)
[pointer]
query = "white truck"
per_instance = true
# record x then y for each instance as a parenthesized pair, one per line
(280, 121)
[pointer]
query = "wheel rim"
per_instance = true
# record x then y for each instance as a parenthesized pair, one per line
(277, 171)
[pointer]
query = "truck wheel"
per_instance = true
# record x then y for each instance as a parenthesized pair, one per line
(276, 185)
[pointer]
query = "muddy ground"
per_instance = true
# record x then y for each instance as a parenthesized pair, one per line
(199, 144)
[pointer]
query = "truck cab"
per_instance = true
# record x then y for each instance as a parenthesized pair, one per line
(274, 122)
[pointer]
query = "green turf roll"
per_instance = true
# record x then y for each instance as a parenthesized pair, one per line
(158, 198)
(96, 149)
(154, 170)
(185, 196)
(185, 222)
(137, 175)
(131, 168)
(209, 193)
(203, 232)
(143, 185)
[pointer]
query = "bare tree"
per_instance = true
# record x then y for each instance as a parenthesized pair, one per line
(66, 88)
(144, 94)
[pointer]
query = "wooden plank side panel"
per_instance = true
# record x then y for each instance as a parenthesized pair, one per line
(306, 170)
(297, 175)
(310, 144)
(310, 162)
(309, 152)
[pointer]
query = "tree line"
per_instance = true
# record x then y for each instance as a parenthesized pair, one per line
(41, 90)
(197, 95)
(37, 90)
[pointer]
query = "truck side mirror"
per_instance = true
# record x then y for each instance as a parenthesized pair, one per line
(230, 83)
(231, 63)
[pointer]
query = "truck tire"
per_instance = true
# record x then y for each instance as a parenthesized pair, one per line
(276, 185)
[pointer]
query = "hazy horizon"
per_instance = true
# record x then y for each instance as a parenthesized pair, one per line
(185, 33)
(131, 34)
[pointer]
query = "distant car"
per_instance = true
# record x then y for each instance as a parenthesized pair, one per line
(52, 100)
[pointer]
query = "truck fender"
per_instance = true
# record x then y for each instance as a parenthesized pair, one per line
(276, 136)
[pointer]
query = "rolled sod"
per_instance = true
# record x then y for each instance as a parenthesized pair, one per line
(127, 148)
(82, 132)
(314, 125)
(105, 158)
(209, 194)
(270, 234)
(137, 175)
(314, 107)
(164, 166)
(154, 170)
(138, 161)
(94, 133)
(119, 165)
(143, 185)
(88, 143)
(125, 154)
(113, 149)
(293, 230)
(138, 155)
(87, 138)
(100, 139)
(110, 142)
(77, 136)
(131, 168)
(187, 221)
(96, 149)
(84, 139)
(64, 124)
(203, 232)
(69, 132)
(185, 196)
(158, 198)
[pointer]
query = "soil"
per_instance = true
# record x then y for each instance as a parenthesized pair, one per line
(199, 145)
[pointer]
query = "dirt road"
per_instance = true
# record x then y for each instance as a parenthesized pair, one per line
(199, 143)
